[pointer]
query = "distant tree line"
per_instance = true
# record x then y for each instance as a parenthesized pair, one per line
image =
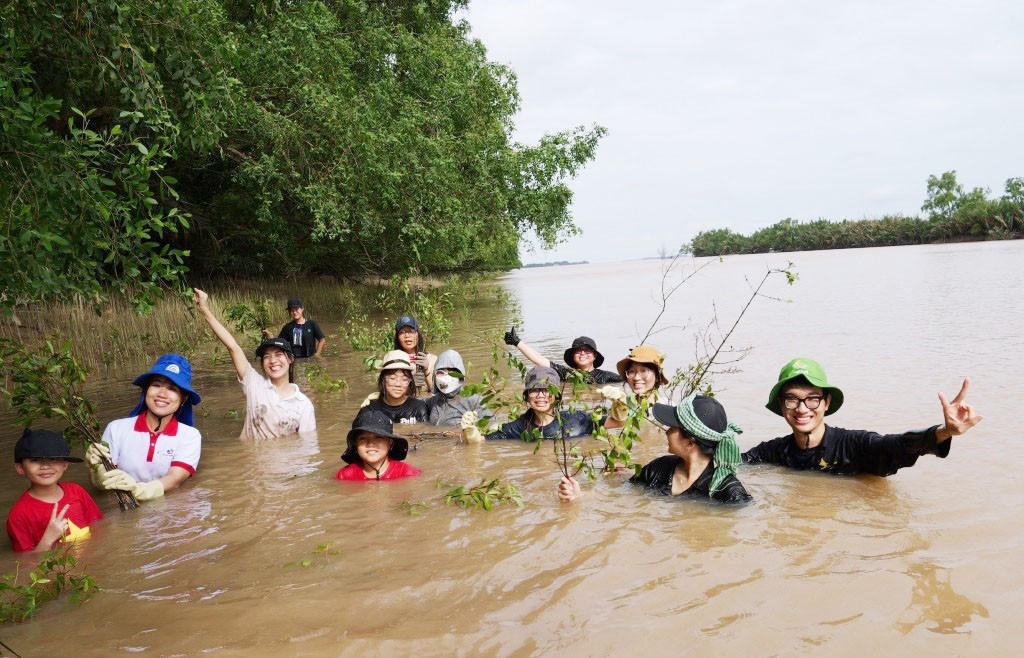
(952, 215)
(262, 138)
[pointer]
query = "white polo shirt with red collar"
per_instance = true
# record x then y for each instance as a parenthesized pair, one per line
(148, 456)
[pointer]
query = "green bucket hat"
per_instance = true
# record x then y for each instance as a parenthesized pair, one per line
(814, 374)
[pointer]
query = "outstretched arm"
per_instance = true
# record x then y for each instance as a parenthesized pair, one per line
(237, 354)
(512, 339)
(957, 415)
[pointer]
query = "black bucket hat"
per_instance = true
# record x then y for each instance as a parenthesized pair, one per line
(279, 343)
(43, 444)
(583, 341)
(294, 302)
(374, 422)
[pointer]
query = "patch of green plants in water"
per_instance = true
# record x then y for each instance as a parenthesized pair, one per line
(322, 554)
(484, 496)
(56, 573)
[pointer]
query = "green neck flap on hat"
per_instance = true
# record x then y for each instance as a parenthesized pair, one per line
(727, 453)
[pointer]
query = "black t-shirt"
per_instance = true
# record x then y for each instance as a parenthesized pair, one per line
(657, 475)
(411, 411)
(849, 452)
(303, 337)
(595, 376)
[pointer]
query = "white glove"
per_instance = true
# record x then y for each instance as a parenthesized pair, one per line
(619, 410)
(613, 393)
(369, 398)
(95, 454)
(117, 479)
(148, 490)
(470, 432)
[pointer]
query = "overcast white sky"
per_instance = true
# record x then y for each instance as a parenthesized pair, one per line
(736, 114)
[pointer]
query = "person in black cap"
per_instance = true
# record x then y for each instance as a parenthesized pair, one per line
(305, 335)
(582, 356)
(155, 448)
(703, 454)
(409, 339)
(373, 452)
(542, 420)
(48, 511)
(274, 405)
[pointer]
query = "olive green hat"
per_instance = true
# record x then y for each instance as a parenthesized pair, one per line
(814, 374)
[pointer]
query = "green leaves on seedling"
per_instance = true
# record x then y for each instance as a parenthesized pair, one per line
(484, 495)
(54, 575)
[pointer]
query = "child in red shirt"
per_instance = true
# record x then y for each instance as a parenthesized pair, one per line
(48, 512)
(373, 452)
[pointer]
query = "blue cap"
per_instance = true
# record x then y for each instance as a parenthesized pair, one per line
(406, 321)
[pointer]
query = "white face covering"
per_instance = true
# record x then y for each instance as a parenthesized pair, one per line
(447, 384)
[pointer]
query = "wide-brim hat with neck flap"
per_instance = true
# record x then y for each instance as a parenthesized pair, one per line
(374, 422)
(646, 355)
(814, 374)
(583, 341)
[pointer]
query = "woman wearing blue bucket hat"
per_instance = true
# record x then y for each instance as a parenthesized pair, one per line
(155, 448)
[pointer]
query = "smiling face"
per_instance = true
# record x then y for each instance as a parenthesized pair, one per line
(584, 358)
(163, 397)
(396, 386)
(802, 419)
(408, 339)
(295, 312)
(42, 472)
(275, 363)
(641, 377)
(540, 400)
(372, 449)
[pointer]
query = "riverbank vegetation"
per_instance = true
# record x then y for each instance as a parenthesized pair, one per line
(264, 139)
(953, 215)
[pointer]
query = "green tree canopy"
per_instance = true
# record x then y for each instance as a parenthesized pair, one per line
(261, 138)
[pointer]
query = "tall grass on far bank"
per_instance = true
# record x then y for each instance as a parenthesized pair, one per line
(365, 313)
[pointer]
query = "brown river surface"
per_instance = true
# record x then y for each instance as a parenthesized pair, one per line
(926, 562)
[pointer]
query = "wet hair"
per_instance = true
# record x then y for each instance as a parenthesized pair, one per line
(411, 392)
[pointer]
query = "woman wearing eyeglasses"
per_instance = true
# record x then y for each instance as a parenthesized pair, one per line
(804, 397)
(396, 390)
(542, 420)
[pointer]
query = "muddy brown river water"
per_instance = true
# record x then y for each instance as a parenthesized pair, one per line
(926, 562)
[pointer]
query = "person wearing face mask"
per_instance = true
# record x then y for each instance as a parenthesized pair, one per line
(156, 448)
(446, 406)
(643, 372)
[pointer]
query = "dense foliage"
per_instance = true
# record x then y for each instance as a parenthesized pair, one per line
(953, 214)
(261, 138)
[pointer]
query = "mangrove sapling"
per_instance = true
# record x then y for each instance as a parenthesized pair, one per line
(47, 384)
(54, 574)
(484, 495)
